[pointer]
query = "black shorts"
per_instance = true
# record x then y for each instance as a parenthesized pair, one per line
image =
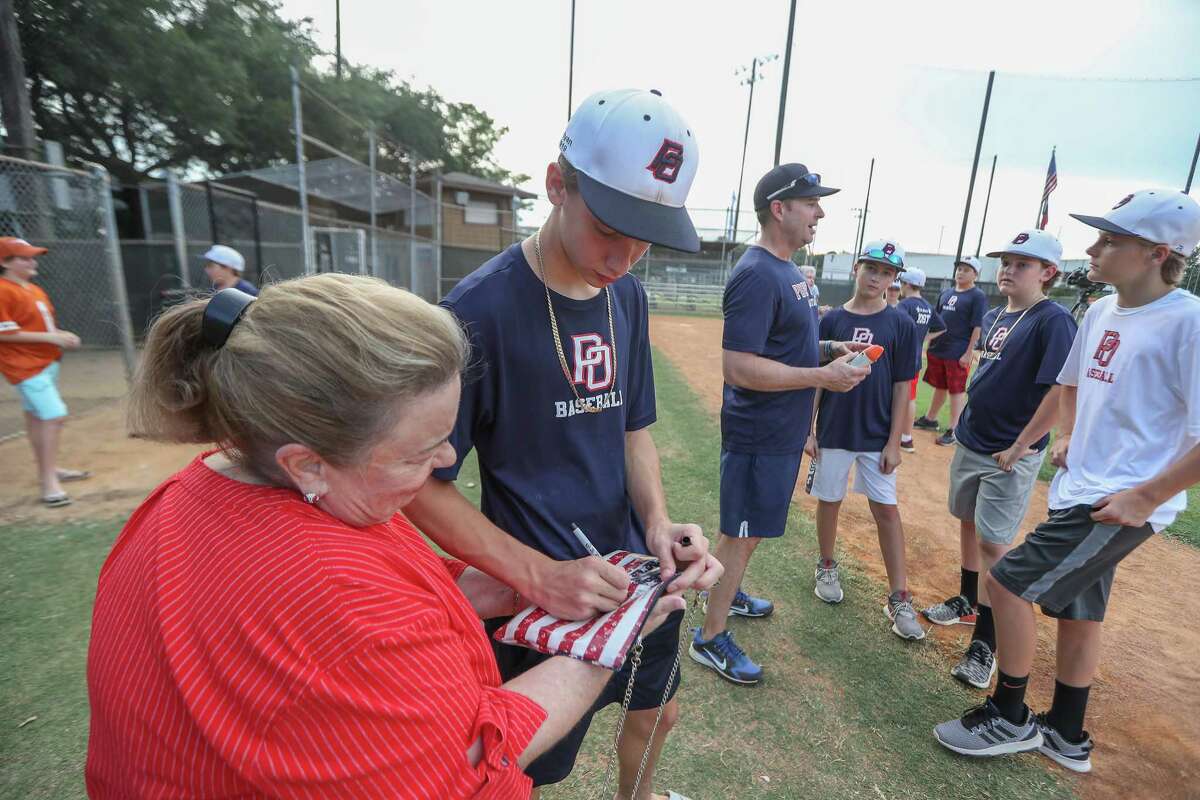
(658, 657)
(1067, 564)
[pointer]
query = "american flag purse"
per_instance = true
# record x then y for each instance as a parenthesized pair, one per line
(604, 640)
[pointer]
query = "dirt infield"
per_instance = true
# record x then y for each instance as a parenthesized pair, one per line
(1146, 697)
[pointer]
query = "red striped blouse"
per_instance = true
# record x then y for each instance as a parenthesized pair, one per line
(245, 644)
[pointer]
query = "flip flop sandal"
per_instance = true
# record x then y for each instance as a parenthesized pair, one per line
(56, 500)
(68, 475)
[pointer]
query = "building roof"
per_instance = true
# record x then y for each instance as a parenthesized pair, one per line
(462, 180)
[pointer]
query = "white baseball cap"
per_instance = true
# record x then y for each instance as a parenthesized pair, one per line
(636, 158)
(226, 257)
(884, 251)
(970, 261)
(1162, 216)
(913, 276)
(1033, 243)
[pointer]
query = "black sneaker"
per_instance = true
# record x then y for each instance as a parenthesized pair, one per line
(946, 439)
(1076, 756)
(925, 423)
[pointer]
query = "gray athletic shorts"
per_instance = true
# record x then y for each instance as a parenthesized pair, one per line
(1068, 563)
(995, 500)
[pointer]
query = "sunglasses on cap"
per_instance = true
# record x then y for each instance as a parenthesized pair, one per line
(880, 255)
(811, 179)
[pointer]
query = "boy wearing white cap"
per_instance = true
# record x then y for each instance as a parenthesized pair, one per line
(225, 267)
(559, 404)
(929, 327)
(1128, 451)
(1012, 403)
(860, 430)
(949, 357)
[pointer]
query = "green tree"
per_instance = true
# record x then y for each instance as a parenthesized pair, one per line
(203, 85)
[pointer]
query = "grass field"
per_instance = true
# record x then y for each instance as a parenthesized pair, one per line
(845, 712)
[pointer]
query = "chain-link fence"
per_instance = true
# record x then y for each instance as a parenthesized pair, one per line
(70, 212)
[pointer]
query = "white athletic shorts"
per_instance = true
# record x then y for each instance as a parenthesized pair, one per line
(833, 475)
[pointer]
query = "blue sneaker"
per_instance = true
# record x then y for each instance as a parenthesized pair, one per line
(722, 655)
(745, 605)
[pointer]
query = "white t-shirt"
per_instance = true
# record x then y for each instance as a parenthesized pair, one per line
(1138, 408)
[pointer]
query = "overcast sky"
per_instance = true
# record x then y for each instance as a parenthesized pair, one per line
(903, 82)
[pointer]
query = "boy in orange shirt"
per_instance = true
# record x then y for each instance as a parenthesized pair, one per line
(30, 348)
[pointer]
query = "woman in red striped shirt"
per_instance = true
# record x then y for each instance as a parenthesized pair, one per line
(268, 624)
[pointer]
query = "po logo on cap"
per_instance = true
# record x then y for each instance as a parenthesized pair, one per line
(1022, 238)
(889, 249)
(666, 163)
(1123, 201)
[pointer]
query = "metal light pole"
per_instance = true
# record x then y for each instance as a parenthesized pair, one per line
(787, 68)
(986, 203)
(987, 99)
(571, 67)
(1192, 172)
(862, 235)
(752, 77)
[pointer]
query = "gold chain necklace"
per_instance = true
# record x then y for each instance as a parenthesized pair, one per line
(562, 358)
(987, 342)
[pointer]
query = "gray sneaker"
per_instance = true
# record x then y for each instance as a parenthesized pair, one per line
(900, 611)
(955, 611)
(977, 667)
(983, 731)
(829, 586)
(1075, 756)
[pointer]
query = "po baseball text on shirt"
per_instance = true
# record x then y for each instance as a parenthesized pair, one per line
(544, 462)
(961, 312)
(860, 420)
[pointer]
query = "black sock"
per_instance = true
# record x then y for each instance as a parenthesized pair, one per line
(968, 585)
(985, 627)
(1010, 697)
(1067, 710)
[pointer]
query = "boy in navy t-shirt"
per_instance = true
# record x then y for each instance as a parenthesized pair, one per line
(1012, 405)
(949, 356)
(557, 406)
(929, 326)
(861, 430)
(770, 357)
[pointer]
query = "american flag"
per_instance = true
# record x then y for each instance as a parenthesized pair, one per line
(1051, 185)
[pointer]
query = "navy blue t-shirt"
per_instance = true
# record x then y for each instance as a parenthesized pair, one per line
(861, 419)
(1018, 365)
(247, 287)
(770, 311)
(544, 463)
(925, 318)
(960, 312)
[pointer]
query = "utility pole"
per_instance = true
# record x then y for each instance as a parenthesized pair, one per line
(787, 68)
(571, 67)
(338, 12)
(14, 95)
(987, 100)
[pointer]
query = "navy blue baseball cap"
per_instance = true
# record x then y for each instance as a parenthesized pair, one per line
(786, 182)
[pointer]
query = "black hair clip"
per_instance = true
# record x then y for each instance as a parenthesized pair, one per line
(223, 312)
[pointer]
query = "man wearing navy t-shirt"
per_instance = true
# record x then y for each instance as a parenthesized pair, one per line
(558, 402)
(860, 430)
(929, 325)
(770, 356)
(949, 356)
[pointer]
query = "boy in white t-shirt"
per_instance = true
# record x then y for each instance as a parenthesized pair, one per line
(1128, 451)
